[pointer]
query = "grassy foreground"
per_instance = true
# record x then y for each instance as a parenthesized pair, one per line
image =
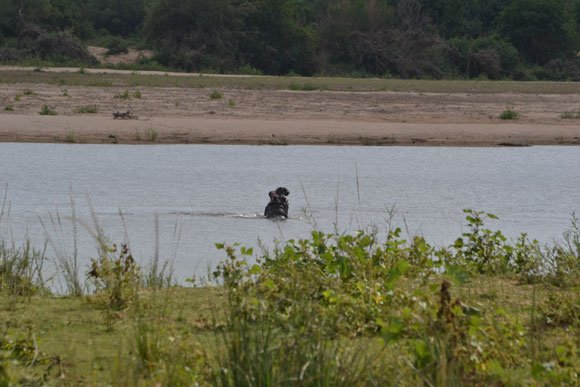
(335, 309)
(134, 79)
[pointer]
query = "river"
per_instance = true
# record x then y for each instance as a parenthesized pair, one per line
(181, 199)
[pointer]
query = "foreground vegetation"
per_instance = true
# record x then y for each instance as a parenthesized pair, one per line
(334, 309)
(495, 39)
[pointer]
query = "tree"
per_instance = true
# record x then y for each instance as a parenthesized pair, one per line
(537, 28)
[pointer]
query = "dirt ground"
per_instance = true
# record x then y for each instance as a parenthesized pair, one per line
(281, 117)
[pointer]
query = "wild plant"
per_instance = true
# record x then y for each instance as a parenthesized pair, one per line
(47, 111)
(123, 95)
(91, 109)
(509, 114)
(115, 276)
(215, 95)
(481, 249)
(151, 134)
(21, 272)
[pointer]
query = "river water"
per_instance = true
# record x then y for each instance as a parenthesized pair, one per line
(184, 198)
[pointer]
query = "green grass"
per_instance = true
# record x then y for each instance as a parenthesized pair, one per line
(287, 83)
(151, 134)
(509, 114)
(88, 109)
(47, 111)
(215, 95)
(571, 115)
(332, 309)
(122, 95)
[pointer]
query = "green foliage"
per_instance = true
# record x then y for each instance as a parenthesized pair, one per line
(123, 95)
(538, 28)
(151, 134)
(509, 114)
(20, 272)
(570, 115)
(88, 109)
(408, 39)
(47, 111)
(215, 95)
(115, 276)
(310, 294)
(116, 45)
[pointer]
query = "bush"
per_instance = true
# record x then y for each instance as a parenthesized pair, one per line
(509, 114)
(116, 45)
(47, 111)
(115, 275)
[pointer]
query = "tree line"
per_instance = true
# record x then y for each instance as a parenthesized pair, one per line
(496, 39)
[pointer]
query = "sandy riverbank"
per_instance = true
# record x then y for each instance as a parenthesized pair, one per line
(283, 117)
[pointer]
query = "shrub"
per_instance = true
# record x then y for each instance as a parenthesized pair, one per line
(21, 271)
(88, 109)
(115, 276)
(116, 45)
(47, 111)
(215, 95)
(509, 114)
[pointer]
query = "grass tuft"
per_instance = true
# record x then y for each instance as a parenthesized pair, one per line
(151, 134)
(509, 114)
(215, 95)
(47, 111)
(88, 109)
(571, 115)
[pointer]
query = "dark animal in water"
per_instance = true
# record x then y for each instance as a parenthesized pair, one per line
(278, 205)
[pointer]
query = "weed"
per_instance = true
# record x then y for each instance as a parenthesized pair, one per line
(9, 108)
(509, 114)
(64, 92)
(137, 94)
(70, 136)
(17, 97)
(331, 139)
(21, 271)
(47, 111)
(28, 92)
(82, 70)
(151, 134)
(88, 109)
(570, 115)
(115, 275)
(215, 95)
(231, 103)
(123, 95)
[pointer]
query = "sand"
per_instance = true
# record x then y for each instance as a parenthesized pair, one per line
(278, 117)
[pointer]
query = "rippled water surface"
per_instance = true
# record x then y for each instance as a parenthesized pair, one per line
(199, 195)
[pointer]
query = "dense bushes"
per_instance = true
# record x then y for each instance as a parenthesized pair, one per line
(334, 286)
(520, 39)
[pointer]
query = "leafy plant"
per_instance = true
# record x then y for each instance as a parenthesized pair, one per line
(571, 115)
(215, 95)
(88, 109)
(123, 95)
(151, 134)
(509, 114)
(115, 275)
(47, 111)
(70, 136)
(137, 94)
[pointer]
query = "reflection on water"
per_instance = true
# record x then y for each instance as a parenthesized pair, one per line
(200, 195)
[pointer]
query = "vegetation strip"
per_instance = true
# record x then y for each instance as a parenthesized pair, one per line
(332, 309)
